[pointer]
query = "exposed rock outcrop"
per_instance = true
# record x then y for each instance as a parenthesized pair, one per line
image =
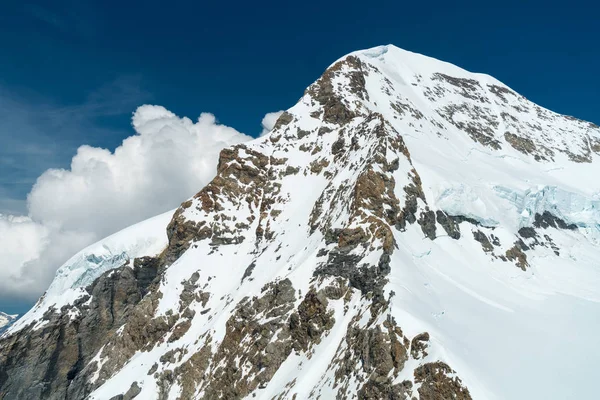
(53, 362)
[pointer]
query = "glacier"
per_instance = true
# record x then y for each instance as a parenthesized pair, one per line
(573, 208)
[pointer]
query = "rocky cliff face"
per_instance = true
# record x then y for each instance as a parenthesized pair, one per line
(394, 236)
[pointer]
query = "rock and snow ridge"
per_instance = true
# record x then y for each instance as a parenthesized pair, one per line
(407, 229)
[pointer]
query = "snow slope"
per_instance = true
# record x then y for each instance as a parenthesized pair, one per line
(400, 195)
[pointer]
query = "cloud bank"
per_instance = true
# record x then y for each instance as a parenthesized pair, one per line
(168, 160)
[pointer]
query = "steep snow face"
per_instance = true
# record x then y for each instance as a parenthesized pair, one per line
(408, 228)
(146, 238)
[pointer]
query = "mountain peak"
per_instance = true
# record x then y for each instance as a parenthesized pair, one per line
(403, 61)
(447, 101)
(385, 240)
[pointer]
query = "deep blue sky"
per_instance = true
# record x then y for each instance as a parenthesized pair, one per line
(71, 72)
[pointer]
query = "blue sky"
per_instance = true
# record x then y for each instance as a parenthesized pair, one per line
(72, 72)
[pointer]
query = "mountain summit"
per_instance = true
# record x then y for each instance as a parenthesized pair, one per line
(407, 230)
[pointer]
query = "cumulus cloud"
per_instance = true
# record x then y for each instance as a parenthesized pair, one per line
(268, 122)
(30, 252)
(22, 240)
(168, 160)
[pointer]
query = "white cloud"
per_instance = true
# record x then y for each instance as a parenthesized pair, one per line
(268, 122)
(167, 161)
(37, 132)
(21, 242)
(30, 252)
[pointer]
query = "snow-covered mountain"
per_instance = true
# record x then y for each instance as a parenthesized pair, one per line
(407, 230)
(6, 320)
